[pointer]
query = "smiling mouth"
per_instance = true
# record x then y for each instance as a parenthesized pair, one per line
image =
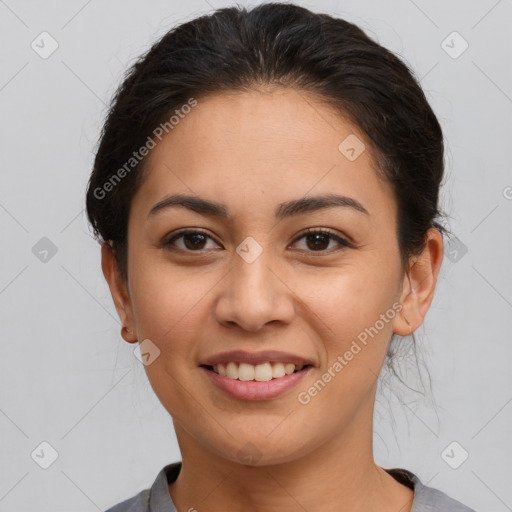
(260, 373)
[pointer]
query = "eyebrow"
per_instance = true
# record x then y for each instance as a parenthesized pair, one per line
(286, 209)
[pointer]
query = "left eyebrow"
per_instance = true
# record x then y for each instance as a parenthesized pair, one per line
(286, 209)
(310, 204)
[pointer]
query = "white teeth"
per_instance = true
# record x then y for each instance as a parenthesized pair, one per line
(260, 372)
(278, 370)
(289, 368)
(245, 371)
(263, 372)
(232, 370)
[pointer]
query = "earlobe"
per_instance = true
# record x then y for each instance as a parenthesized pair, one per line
(128, 335)
(419, 285)
(119, 291)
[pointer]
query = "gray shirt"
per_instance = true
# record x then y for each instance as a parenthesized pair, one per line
(157, 498)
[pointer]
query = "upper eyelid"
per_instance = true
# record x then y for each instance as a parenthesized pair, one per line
(341, 239)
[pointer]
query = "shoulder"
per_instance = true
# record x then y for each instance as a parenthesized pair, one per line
(433, 500)
(138, 503)
(155, 498)
(427, 499)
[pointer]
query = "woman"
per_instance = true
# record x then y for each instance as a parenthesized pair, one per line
(266, 193)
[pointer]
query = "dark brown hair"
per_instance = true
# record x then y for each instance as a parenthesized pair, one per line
(235, 49)
(274, 44)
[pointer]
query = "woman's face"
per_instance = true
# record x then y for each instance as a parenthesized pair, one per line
(252, 280)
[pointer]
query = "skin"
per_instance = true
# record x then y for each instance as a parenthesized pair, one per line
(251, 151)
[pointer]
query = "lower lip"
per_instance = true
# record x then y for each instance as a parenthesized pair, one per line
(254, 390)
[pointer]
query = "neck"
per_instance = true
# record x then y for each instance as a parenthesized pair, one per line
(339, 475)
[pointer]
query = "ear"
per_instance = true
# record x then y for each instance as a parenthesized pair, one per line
(119, 290)
(419, 285)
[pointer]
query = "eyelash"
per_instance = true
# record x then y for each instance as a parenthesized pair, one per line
(310, 231)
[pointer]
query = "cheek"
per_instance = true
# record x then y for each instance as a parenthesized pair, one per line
(170, 302)
(349, 300)
(167, 305)
(357, 308)
(167, 301)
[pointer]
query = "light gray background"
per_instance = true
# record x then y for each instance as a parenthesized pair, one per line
(67, 377)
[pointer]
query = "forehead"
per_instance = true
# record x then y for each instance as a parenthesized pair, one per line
(262, 147)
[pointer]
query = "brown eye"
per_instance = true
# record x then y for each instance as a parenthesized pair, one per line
(192, 241)
(315, 241)
(319, 240)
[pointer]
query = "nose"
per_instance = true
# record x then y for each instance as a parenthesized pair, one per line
(254, 295)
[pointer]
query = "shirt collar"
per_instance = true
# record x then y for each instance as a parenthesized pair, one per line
(160, 499)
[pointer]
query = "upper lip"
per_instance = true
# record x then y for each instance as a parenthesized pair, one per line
(254, 358)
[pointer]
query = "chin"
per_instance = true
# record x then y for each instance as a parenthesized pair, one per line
(258, 451)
